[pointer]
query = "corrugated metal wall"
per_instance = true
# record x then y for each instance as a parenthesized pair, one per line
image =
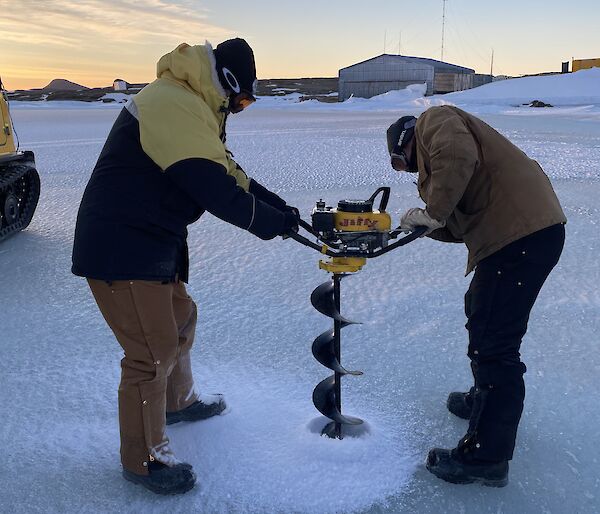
(392, 72)
(479, 79)
(584, 64)
(449, 82)
(383, 74)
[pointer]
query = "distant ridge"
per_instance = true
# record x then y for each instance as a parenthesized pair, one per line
(63, 85)
(320, 88)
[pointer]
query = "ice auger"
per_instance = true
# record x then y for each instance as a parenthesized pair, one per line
(349, 235)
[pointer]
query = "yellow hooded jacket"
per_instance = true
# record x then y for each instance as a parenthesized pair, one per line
(164, 163)
(191, 124)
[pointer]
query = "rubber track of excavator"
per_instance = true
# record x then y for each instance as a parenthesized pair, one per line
(20, 177)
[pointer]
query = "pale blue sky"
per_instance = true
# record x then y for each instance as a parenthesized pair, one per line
(94, 41)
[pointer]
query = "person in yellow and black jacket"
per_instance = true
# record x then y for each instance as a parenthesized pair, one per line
(483, 191)
(164, 164)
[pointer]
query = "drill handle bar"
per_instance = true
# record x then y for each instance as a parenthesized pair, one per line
(307, 226)
(384, 199)
(415, 234)
(336, 252)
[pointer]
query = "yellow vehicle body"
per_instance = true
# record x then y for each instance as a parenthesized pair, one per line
(7, 140)
(19, 180)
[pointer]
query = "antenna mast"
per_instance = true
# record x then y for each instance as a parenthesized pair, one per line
(384, 40)
(443, 26)
(492, 64)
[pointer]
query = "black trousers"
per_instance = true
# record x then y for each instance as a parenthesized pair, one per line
(497, 304)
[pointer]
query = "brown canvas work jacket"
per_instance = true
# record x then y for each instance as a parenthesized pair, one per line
(486, 189)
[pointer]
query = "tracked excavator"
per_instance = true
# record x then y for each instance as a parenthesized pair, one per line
(19, 180)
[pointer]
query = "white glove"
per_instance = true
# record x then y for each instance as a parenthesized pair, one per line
(416, 217)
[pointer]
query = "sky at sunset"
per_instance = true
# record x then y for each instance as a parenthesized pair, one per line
(92, 42)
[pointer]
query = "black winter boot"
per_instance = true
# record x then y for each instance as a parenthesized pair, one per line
(199, 410)
(162, 479)
(460, 404)
(453, 466)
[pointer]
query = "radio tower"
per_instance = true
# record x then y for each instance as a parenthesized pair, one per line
(443, 26)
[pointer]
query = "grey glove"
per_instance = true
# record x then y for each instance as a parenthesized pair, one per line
(417, 217)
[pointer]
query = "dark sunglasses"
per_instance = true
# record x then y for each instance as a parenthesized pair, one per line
(241, 101)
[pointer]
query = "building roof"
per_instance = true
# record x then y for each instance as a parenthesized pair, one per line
(422, 60)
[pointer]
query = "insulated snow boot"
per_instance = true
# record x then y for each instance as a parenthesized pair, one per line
(452, 466)
(162, 479)
(460, 404)
(207, 407)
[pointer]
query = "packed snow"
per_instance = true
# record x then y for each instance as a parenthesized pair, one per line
(61, 363)
(116, 97)
(577, 93)
(579, 88)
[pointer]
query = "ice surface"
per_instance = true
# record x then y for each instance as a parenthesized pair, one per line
(60, 363)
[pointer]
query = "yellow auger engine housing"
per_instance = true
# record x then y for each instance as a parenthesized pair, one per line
(354, 226)
(349, 217)
(19, 180)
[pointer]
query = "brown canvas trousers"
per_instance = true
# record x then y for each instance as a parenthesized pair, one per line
(154, 323)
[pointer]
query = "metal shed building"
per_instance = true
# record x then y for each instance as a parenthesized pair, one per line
(390, 72)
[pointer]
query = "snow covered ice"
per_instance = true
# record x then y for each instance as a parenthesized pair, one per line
(60, 362)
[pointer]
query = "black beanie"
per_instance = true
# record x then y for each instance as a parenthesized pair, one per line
(235, 66)
(400, 133)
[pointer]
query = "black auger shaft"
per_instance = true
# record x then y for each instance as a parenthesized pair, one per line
(337, 349)
(326, 348)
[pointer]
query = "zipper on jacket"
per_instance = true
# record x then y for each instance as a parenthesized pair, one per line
(222, 125)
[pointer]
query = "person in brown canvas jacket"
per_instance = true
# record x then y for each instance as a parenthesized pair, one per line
(482, 190)
(164, 164)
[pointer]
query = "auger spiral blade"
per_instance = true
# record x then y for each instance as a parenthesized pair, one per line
(324, 400)
(323, 350)
(322, 299)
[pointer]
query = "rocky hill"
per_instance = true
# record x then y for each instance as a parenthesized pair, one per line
(63, 85)
(309, 88)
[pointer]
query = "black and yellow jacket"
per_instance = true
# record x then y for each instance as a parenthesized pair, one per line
(164, 163)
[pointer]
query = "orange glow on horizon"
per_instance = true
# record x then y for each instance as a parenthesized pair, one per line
(15, 82)
(93, 42)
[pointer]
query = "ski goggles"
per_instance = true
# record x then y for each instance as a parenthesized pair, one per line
(241, 101)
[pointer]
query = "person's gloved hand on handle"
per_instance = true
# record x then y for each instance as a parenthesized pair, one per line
(291, 214)
(290, 224)
(417, 217)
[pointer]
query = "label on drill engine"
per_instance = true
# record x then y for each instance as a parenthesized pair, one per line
(357, 222)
